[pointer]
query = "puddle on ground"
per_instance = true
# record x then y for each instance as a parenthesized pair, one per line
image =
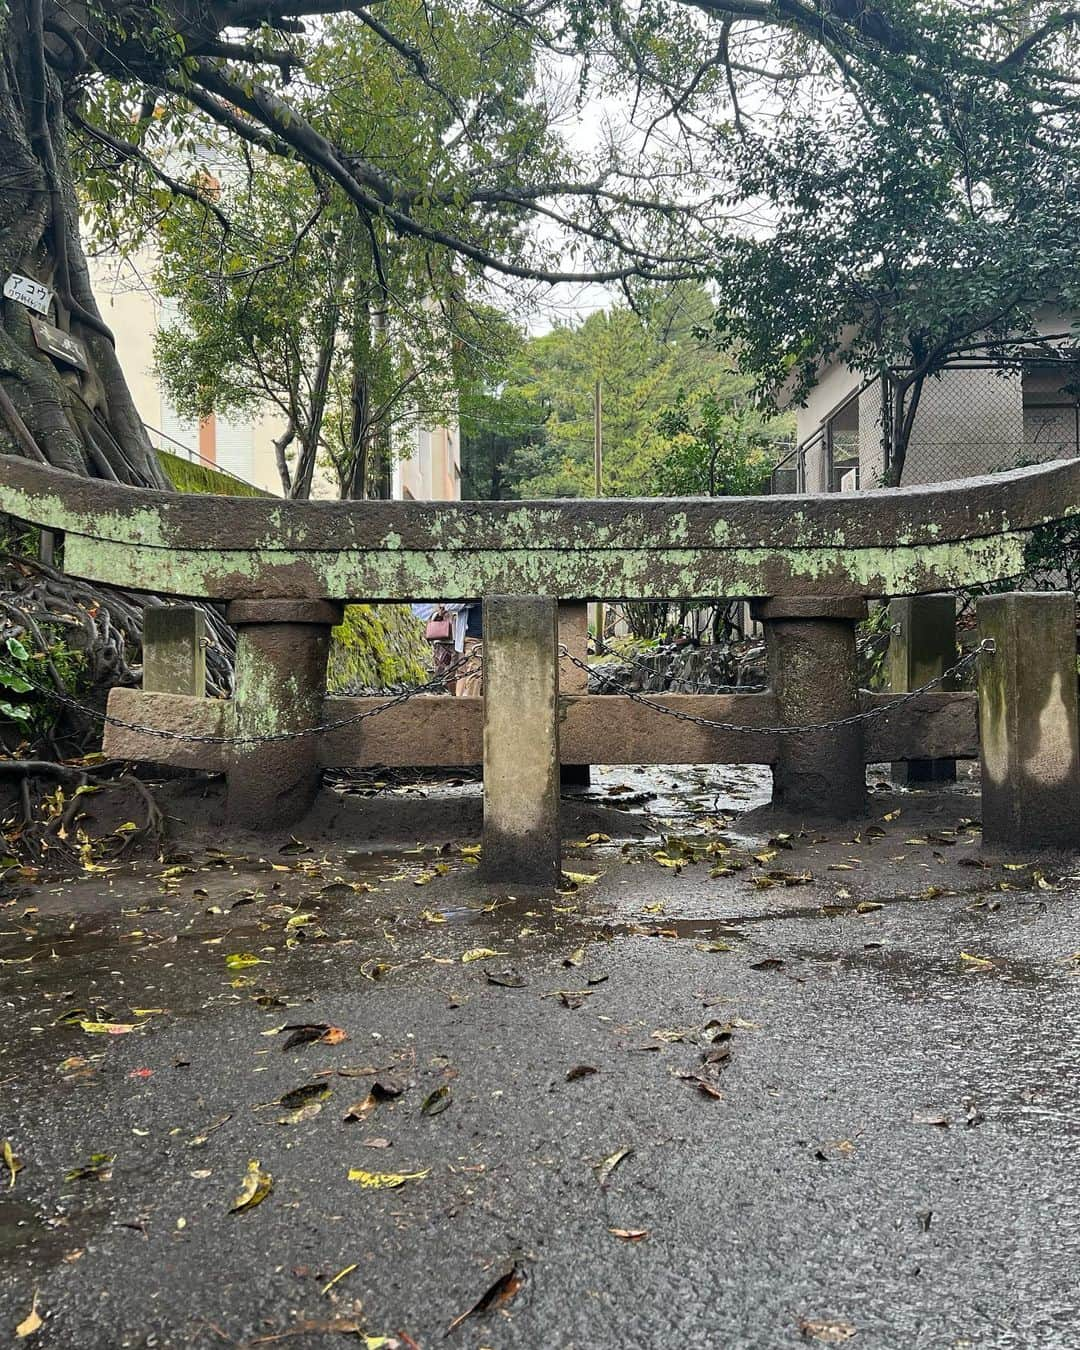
(23, 1234)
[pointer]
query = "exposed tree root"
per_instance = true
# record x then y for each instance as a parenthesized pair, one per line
(45, 827)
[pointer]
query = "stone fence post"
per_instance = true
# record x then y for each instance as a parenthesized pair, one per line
(521, 843)
(174, 650)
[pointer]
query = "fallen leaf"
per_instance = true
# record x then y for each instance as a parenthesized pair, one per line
(303, 1103)
(580, 1071)
(576, 958)
(385, 1181)
(509, 979)
(11, 1162)
(479, 954)
(930, 1118)
(339, 1276)
(31, 1322)
(604, 1168)
(827, 1333)
(497, 1295)
(629, 1234)
(436, 1102)
(241, 961)
(769, 963)
(109, 1028)
(570, 998)
(99, 1168)
(254, 1189)
(714, 946)
(304, 1033)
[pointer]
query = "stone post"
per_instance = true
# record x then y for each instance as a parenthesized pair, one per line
(1027, 721)
(922, 647)
(281, 653)
(574, 636)
(521, 843)
(174, 650)
(810, 650)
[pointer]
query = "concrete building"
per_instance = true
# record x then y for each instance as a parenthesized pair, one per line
(429, 466)
(973, 418)
(432, 469)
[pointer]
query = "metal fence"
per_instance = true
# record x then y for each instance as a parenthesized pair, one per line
(974, 417)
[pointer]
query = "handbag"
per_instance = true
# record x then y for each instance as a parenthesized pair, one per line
(440, 627)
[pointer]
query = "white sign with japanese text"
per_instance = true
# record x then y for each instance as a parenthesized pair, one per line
(28, 292)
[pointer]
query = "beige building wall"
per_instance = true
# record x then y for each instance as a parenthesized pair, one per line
(429, 466)
(243, 446)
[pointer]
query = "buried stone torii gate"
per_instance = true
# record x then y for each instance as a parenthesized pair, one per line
(808, 564)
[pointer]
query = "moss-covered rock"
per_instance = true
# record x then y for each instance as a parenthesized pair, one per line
(187, 476)
(377, 646)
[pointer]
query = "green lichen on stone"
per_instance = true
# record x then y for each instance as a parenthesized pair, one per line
(375, 647)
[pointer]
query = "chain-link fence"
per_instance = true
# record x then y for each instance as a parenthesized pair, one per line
(972, 418)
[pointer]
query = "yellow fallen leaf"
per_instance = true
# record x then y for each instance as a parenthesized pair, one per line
(479, 954)
(256, 1186)
(432, 916)
(12, 1163)
(340, 1276)
(582, 878)
(31, 1322)
(109, 1028)
(385, 1181)
(241, 961)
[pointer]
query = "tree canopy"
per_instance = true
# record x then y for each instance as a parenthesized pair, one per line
(672, 408)
(645, 143)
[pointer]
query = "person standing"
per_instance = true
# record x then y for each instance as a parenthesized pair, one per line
(470, 681)
(444, 628)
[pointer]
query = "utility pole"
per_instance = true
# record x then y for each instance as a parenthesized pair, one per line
(598, 482)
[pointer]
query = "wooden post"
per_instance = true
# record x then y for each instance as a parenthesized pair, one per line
(1027, 721)
(281, 652)
(574, 636)
(174, 651)
(921, 648)
(810, 650)
(521, 843)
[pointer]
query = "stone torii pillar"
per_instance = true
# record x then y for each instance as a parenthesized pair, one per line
(282, 648)
(810, 652)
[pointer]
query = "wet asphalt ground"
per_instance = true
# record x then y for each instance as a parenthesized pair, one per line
(824, 1096)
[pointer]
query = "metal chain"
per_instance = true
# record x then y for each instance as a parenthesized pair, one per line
(440, 682)
(394, 701)
(985, 646)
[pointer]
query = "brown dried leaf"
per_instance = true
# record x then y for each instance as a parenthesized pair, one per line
(497, 1295)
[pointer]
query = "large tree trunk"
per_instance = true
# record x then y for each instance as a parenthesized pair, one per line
(82, 421)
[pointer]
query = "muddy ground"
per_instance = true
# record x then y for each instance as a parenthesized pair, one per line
(720, 1092)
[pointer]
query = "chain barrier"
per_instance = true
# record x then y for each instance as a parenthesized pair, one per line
(987, 645)
(395, 700)
(440, 682)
